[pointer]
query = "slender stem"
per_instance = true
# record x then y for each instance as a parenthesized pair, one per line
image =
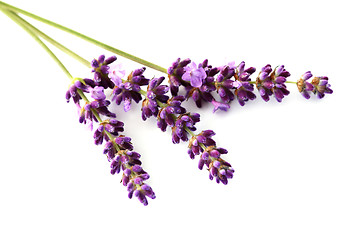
(291, 82)
(33, 31)
(52, 41)
(189, 131)
(13, 17)
(86, 38)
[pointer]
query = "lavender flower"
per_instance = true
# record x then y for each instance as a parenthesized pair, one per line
(176, 72)
(112, 126)
(128, 90)
(166, 116)
(194, 74)
(210, 156)
(205, 138)
(85, 85)
(183, 123)
(224, 83)
(272, 82)
(219, 105)
(116, 73)
(118, 148)
(203, 92)
(99, 105)
(155, 92)
(319, 85)
(101, 71)
(304, 86)
(244, 89)
(133, 175)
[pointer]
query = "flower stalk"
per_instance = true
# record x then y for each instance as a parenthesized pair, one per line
(84, 37)
(202, 83)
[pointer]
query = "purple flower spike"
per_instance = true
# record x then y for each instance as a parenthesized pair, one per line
(183, 123)
(197, 142)
(272, 82)
(155, 92)
(166, 116)
(218, 168)
(194, 74)
(112, 126)
(319, 86)
(101, 71)
(244, 89)
(134, 176)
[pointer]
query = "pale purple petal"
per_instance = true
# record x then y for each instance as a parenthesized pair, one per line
(116, 73)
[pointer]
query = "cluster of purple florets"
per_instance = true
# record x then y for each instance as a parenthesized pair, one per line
(201, 82)
(118, 148)
(203, 144)
(318, 85)
(233, 81)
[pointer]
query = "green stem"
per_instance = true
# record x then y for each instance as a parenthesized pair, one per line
(51, 40)
(13, 17)
(291, 82)
(34, 32)
(84, 37)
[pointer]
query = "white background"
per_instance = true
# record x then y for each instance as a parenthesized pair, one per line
(297, 163)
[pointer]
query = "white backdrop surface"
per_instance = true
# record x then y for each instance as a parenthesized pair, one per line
(296, 163)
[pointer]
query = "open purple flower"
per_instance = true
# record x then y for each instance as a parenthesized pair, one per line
(176, 72)
(203, 93)
(194, 74)
(116, 73)
(219, 105)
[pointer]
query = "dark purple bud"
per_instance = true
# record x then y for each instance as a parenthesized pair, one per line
(110, 60)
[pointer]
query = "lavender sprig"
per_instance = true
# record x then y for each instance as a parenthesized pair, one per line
(171, 113)
(118, 148)
(230, 81)
(203, 144)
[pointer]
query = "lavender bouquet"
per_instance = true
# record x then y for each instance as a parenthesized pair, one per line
(162, 97)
